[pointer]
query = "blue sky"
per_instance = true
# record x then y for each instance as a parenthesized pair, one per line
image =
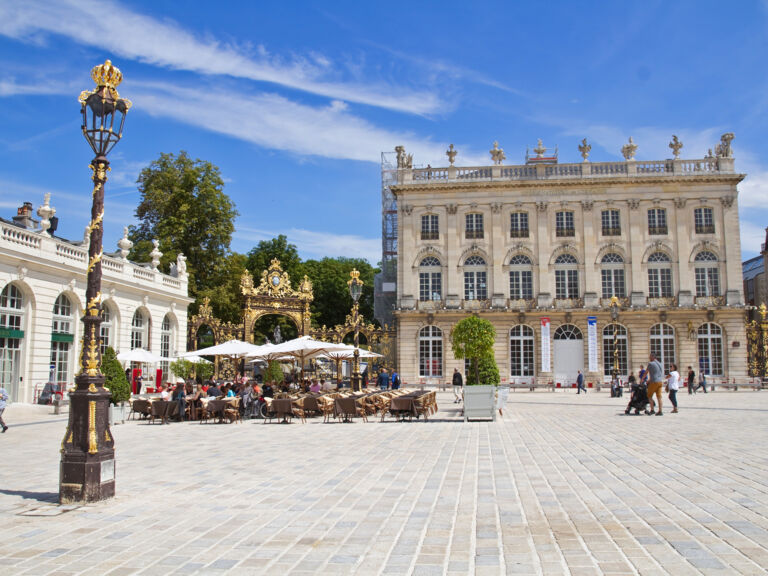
(295, 101)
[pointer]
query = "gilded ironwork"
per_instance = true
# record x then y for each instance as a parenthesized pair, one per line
(105, 76)
(757, 344)
(93, 443)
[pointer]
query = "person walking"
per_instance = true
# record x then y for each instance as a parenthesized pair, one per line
(383, 379)
(702, 383)
(673, 385)
(655, 382)
(580, 383)
(458, 384)
(395, 380)
(691, 378)
(3, 404)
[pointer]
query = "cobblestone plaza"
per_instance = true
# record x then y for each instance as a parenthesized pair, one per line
(562, 484)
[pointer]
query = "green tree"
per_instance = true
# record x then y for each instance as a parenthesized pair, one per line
(224, 290)
(204, 370)
(274, 372)
(183, 205)
(473, 338)
(332, 301)
(182, 368)
(114, 377)
(260, 257)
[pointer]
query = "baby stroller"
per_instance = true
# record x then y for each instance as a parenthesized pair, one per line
(639, 399)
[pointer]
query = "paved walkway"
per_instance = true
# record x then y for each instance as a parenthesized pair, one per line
(563, 484)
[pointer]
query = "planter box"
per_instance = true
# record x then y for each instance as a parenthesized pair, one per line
(479, 403)
(117, 414)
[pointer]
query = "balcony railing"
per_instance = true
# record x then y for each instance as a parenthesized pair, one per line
(569, 303)
(705, 228)
(710, 300)
(657, 230)
(518, 233)
(430, 235)
(474, 234)
(661, 302)
(521, 304)
(609, 231)
(606, 302)
(565, 232)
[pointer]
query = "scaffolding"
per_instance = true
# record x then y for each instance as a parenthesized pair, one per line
(385, 283)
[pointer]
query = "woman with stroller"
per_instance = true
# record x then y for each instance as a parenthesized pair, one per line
(638, 395)
(673, 385)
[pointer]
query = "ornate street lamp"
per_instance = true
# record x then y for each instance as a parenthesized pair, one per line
(355, 290)
(614, 319)
(87, 472)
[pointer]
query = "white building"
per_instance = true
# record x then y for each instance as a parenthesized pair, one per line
(42, 295)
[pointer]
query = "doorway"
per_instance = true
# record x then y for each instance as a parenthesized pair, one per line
(568, 353)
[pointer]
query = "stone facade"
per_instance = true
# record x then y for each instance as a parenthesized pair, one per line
(521, 244)
(755, 279)
(42, 293)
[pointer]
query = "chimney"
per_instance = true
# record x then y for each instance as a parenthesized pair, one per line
(24, 218)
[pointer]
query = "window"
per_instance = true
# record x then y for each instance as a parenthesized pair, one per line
(520, 278)
(707, 274)
(704, 221)
(166, 338)
(612, 271)
(61, 339)
(566, 277)
(663, 344)
(106, 328)
(474, 226)
(62, 315)
(430, 279)
(429, 227)
(475, 279)
(430, 352)
(657, 221)
(615, 342)
(710, 338)
(564, 224)
(659, 276)
(139, 329)
(521, 347)
(518, 225)
(11, 318)
(611, 223)
(568, 332)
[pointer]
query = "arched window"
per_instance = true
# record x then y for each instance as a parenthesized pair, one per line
(12, 324)
(710, 338)
(139, 331)
(707, 274)
(663, 344)
(568, 332)
(166, 338)
(566, 277)
(475, 279)
(659, 276)
(520, 278)
(430, 279)
(615, 342)
(612, 271)
(430, 352)
(521, 347)
(62, 337)
(107, 327)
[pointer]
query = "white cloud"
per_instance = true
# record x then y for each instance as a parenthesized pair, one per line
(752, 237)
(314, 244)
(275, 122)
(166, 44)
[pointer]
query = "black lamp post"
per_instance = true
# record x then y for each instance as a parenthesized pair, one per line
(355, 290)
(614, 319)
(87, 471)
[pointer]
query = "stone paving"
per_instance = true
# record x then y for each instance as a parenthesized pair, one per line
(562, 484)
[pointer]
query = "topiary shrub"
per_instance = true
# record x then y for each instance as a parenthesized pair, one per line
(203, 370)
(486, 372)
(473, 338)
(114, 377)
(274, 372)
(182, 368)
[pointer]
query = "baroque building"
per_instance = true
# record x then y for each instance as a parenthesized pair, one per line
(585, 266)
(42, 298)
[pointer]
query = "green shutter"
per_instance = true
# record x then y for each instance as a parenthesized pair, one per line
(61, 337)
(11, 333)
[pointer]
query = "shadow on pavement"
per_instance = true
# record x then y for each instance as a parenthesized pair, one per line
(52, 497)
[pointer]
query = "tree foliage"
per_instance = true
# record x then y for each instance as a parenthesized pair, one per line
(114, 377)
(274, 372)
(473, 338)
(332, 301)
(224, 290)
(483, 370)
(183, 205)
(182, 368)
(260, 257)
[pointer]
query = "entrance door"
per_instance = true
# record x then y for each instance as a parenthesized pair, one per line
(10, 360)
(568, 354)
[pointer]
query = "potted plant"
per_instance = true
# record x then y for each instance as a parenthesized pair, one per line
(117, 383)
(473, 338)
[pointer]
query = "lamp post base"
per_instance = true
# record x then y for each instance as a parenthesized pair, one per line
(356, 382)
(87, 468)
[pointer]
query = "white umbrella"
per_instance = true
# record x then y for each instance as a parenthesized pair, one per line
(347, 353)
(139, 355)
(300, 348)
(196, 359)
(231, 349)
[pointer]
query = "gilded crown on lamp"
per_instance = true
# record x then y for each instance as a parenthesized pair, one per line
(107, 76)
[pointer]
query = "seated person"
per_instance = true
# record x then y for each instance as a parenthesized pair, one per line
(315, 387)
(164, 393)
(269, 391)
(326, 385)
(213, 391)
(230, 393)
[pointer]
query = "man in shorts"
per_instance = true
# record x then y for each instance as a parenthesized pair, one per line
(655, 383)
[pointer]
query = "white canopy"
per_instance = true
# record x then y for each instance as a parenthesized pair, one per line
(139, 355)
(196, 359)
(300, 348)
(349, 352)
(231, 349)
